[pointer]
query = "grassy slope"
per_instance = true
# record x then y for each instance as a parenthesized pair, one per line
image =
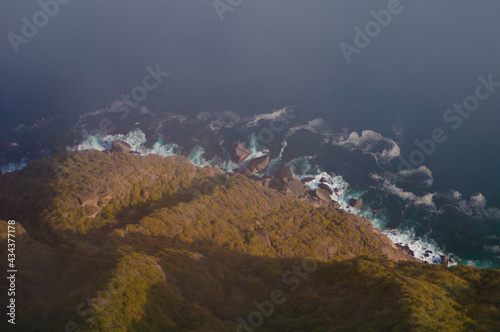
(122, 242)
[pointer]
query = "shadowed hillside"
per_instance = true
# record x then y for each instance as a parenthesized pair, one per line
(120, 242)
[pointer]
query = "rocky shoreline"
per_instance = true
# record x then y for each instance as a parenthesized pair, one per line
(283, 181)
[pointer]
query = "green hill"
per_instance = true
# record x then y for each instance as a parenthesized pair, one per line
(119, 242)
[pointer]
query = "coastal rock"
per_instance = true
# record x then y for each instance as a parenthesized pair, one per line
(258, 164)
(308, 179)
(325, 187)
(335, 205)
(444, 261)
(266, 181)
(294, 188)
(239, 152)
(323, 179)
(120, 146)
(284, 173)
(323, 195)
(246, 173)
(406, 249)
(355, 202)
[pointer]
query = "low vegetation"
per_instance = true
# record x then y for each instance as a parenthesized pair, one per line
(118, 242)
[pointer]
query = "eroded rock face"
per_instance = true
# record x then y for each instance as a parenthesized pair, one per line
(120, 146)
(258, 164)
(239, 152)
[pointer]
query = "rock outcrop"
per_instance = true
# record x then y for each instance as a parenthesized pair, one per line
(325, 187)
(284, 173)
(258, 164)
(294, 188)
(308, 179)
(239, 152)
(120, 146)
(323, 195)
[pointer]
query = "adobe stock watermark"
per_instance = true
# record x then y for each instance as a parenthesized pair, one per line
(265, 308)
(126, 102)
(223, 6)
(266, 135)
(372, 29)
(29, 30)
(454, 117)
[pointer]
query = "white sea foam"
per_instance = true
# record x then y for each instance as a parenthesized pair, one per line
(136, 139)
(317, 126)
(14, 166)
(476, 207)
(493, 249)
(425, 200)
(197, 158)
(422, 170)
(217, 120)
(370, 142)
(426, 250)
(268, 116)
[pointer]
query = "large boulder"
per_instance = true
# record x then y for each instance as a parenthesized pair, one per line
(325, 187)
(307, 179)
(284, 173)
(323, 195)
(120, 146)
(258, 164)
(355, 202)
(239, 152)
(294, 188)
